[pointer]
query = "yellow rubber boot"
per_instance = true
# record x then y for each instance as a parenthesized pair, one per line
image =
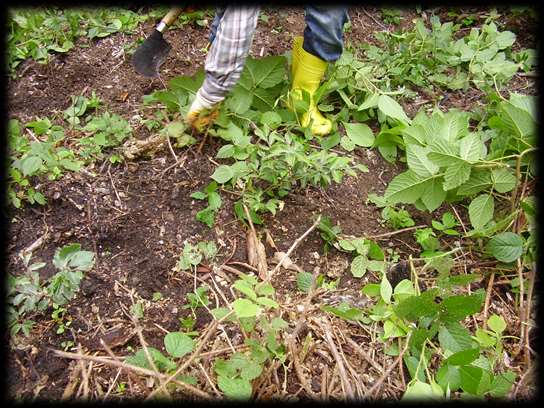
(307, 71)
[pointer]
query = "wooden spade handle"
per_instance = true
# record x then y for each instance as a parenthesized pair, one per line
(172, 15)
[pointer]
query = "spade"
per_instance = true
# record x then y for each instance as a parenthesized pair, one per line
(153, 51)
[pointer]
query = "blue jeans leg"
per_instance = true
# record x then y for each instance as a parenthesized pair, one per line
(324, 32)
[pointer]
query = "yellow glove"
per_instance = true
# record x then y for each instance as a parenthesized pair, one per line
(201, 114)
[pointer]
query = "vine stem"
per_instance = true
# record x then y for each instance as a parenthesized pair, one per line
(518, 176)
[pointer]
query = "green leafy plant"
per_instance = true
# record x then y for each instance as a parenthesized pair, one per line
(193, 255)
(29, 295)
(430, 322)
(436, 57)
(207, 215)
(38, 33)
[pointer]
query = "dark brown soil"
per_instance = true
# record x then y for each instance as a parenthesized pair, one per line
(137, 216)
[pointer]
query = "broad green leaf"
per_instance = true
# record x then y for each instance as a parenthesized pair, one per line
(480, 210)
(175, 129)
(371, 101)
(245, 308)
(345, 311)
(81, 260)
(304, 281)
(496, 323)
(271, 119)
(199, 195)
(519, 121)
(30, 165)
(267, 302)
(471, 148)
(456, 174)
(239, 101)
(178, 344)
(235, 388)
(415, 307)
(463, 357)
(371, 289)
(502, 384)
(414, 135)
(359, 133)
(433, 195)
(391, 108)
(454, 337)
(449, 376)
(391, 330)
(505, 39)
(444, 153)
(473, 379)
(265, 290)
(251, 371)
(457, 307)
(347, 144)
(359, 266)
(452, 126)
(266, 72)
(503, 180)
(214, 200)
(187, 83)
(278, 323)
(404, 287)
(406, 187)
(421, 391)
(246, 289)
(222, 174)
(479, 180)
(506, 247)
(386, 290)
(232, 134)
(525, 103)
(376, 266)
(140, 359)
(418, 162)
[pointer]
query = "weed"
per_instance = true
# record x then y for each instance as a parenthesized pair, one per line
(29, 294)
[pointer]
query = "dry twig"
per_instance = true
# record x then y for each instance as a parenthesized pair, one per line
(295, 244)
(129, 367)
(346, 385)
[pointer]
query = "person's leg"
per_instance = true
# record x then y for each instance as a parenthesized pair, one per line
(322, 42)
(217, 19)
(231, 37)
(324, 32)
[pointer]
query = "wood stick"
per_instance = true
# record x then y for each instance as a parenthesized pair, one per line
(341, 369)
(376, 387)
(388, 234)
(363, 354)
(129, 367)
(112, 385)
(487, 297)
(521, 309)
(295, 244)
(528, 315)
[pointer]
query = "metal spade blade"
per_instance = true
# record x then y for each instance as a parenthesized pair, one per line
(151, 54)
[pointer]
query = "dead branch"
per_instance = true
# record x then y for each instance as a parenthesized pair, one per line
(376, 387)
(129, 367)
(363, 354)
(487, 297)
(295, 244)
(346, 385)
